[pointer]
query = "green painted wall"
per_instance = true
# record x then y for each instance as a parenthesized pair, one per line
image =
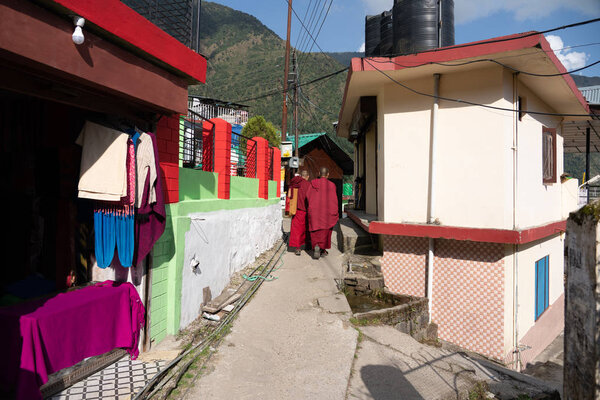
(197, 185)
(243, 188)
(197, 193)
(273, 190)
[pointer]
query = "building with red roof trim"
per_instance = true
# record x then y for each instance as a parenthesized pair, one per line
(459, 160)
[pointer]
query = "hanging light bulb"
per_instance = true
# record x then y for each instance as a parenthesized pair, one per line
(77, 36)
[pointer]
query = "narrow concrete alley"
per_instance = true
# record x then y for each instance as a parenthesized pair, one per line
(294, 340)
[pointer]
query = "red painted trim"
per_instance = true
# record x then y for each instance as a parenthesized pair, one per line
(474, 234)
(357, 221)
(115, 17)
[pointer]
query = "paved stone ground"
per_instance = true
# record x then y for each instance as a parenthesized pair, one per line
(293, 340)
(548, 365)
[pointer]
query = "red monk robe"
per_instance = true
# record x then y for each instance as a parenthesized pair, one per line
(299, 220)
(322, 212)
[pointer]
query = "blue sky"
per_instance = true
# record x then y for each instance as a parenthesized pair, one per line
(343, 30)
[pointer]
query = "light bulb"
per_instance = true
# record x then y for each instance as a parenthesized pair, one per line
(78, 37)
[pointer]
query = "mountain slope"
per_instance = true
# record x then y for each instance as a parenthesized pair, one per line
(245, 61)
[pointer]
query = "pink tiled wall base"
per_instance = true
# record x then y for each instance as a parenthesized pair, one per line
(468, 287)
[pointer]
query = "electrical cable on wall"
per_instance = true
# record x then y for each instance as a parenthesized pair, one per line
(471, 102)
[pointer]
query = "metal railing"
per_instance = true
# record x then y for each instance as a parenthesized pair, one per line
(243, 156)
(270, 164)
(198, 142)
(179, 18)
(235, 114)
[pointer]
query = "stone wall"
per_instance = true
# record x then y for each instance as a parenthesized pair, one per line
(582, 303)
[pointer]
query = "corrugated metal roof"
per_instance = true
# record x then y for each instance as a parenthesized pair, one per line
(591, 94)
(304, 138)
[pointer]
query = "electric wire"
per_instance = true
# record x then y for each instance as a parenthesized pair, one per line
(274, 92)
(301, 61)
(307, 31)
(471, 102)
(485, 60)
(506, 39)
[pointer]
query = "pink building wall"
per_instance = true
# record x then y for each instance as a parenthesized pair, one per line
(468, 287)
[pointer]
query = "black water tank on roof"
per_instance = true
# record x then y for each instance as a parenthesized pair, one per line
(372, 35)
(416, 25)
(386, 45)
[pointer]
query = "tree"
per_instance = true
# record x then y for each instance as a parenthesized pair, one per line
(258, 126)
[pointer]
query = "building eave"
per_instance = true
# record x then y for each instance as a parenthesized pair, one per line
(139, 34)
(528, 51)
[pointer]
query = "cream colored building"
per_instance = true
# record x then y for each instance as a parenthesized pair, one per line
(459, 157)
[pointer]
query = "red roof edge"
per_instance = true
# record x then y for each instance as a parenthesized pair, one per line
(567, 77)
(480, 48)
(507, 236)
(115, 17)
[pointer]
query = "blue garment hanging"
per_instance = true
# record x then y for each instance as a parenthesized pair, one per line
(124, 229)
(105, 239)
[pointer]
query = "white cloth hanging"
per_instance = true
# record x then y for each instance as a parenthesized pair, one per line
(103, 174)
(145, 166)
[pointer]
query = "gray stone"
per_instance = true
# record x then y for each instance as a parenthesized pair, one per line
(335, 304)
(582, 302)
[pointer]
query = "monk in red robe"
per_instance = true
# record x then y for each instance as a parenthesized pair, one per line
(322, 212)
(298, 187)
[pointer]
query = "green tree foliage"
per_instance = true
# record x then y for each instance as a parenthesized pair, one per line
(259, 126)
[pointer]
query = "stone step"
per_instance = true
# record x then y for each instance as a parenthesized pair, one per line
(350, 236)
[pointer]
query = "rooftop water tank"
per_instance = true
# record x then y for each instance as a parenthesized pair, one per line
(386, 46)
(421, 25)
(372, 35)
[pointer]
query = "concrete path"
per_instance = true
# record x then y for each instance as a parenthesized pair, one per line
(283, 344)
(294, 341)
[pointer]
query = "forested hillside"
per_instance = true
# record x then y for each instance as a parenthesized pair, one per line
(245, 65)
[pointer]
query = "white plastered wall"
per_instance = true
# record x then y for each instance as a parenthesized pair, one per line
(224, 242)
(406, 123)
(537, 203)
(527, 257)
(472, 143)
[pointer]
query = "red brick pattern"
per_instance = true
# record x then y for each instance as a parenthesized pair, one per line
(468, 295)
(404, 264)
(167, 141)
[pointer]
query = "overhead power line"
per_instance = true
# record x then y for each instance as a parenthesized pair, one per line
(471, 102)
(507, 39)
(485, 60)
(274, 92)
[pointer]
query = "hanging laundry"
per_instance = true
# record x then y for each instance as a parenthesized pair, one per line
(103, 175)
(150, 218)
(114, 223)
(105, 241)
(146, 166)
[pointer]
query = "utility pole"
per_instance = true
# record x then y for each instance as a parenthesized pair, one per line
(286, 72)
(294, 80)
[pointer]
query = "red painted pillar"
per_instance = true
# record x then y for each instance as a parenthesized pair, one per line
(222, 156)
(262, 165)
(208, 143)
(277, 169)
(167, 141)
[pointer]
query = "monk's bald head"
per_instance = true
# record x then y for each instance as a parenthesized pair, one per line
(304, 174)
(324, 172)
